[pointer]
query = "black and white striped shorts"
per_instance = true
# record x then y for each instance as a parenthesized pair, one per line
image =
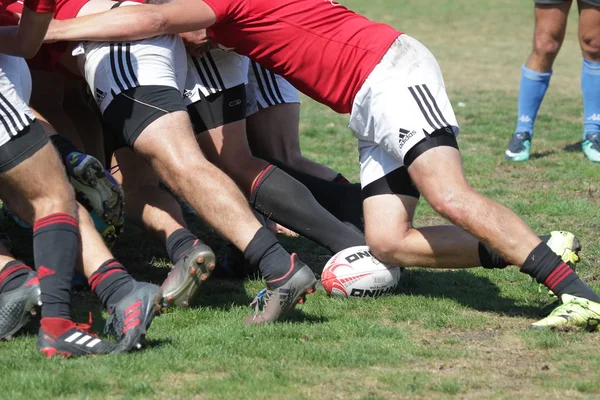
(401, 109)
(266, 89)
(21, 135)
(15, 91)
(113, 68)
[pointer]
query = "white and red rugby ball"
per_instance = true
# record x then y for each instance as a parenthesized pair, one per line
(355, 273)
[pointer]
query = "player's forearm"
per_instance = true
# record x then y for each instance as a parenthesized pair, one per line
(134, 22)
(122, 24)
(24, 40)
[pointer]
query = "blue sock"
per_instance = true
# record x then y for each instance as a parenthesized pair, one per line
(590, 87)
(531, 93)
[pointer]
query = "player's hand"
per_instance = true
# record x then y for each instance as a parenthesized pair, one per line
(197, 42)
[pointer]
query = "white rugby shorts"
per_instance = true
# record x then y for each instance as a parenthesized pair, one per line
(214, 72)
(15, 91)
(402, 99)
(112, 68)
(266, 89)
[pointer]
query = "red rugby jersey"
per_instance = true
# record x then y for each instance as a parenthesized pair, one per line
(325, 50)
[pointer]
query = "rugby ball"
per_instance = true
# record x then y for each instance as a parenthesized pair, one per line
(355, 273)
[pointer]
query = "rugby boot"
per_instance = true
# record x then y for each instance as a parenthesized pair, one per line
(187, 275)
(96, 186)
(130, 318)
(591, 147)
(574, 312)
(275, 301)
(18, 305)
(564, 244)
(518, 147)
(76, 340)
(567, 246)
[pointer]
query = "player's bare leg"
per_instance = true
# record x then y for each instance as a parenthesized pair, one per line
(548, 36)
(160, 213)
(182, 166)
(178, 161)
(273, 133)
(393, 238)
(273, 192)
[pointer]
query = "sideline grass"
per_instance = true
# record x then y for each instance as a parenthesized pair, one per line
(445, 334)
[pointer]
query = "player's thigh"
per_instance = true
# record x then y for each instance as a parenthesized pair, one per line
(589, 29)
(439, 176)
(388, 206)
(550, 24)
(273, 131)
(38, 183)
(227, 145)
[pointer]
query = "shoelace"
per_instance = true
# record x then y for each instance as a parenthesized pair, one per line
(261, 299)
(113, 327)
(86, 327)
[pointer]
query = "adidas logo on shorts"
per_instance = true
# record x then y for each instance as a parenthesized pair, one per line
(100, 95)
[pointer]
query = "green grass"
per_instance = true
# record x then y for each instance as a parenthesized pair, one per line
(446, 334)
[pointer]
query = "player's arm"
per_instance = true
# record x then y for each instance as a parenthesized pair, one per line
(135, 22)
(25, 39)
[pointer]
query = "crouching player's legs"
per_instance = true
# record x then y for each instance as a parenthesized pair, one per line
(153, 121)
(272, 122)
(422, 139)
(273, 118)
(218, 116)
(33, 184)
(160, 213)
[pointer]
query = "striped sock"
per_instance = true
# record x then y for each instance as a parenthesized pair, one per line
(13, 275)
(548, 269)
(56, 249)
(111, 282)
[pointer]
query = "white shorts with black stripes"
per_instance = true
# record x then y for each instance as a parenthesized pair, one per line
(112, 68)
(402, 100)
(266, 89)
(214, 72)
(15, 91)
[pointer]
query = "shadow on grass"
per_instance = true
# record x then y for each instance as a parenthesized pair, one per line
(573, 148)
(470, 290)
(222, 294)
(542, 154)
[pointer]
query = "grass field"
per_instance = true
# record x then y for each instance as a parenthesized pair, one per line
(446, 334)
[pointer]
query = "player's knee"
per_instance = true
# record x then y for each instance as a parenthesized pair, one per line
(59, 201)
(385, 247)
(590, 46)
(546, 46)
(450, 203)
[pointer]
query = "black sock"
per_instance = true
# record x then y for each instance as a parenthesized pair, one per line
(491, 259)
(13, 275)
(265, 252)
(55, 251)
(111, 282)
(288, 202)
(179, 243)
(548, 268)
(63, 146)
(342, 200)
